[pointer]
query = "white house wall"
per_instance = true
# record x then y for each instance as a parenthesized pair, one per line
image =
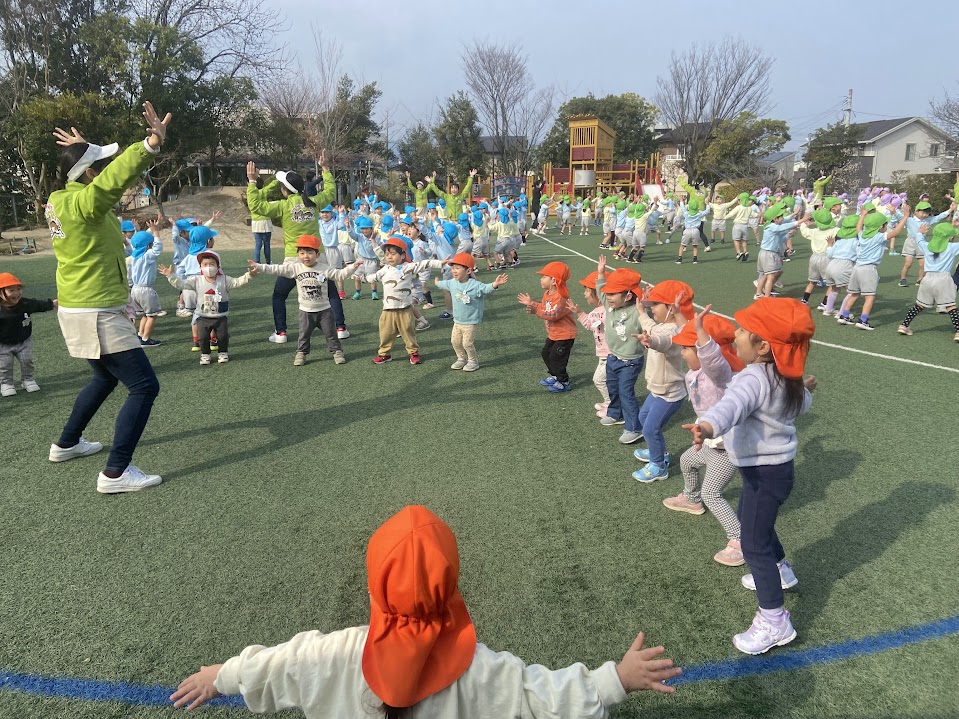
(890, 152)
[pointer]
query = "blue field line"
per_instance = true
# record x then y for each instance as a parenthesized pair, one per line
(155, 695)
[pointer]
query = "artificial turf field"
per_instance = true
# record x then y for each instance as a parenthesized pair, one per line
(275, 476)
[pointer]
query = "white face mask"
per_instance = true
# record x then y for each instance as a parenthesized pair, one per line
(210, 271)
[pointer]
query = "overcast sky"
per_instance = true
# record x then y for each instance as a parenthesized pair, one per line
(895, 61)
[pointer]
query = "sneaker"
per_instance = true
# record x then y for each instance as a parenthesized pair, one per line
(299, 359)
(893, 253)
(374, 295)
(756, 284)
(731, 555)
(342, 333)
(278, 337)
(763, 635)
(30, 385)
(746, 257)
(607, 421)
(642, 454)
(460, 363)
(918, 282)
(739, 256)
(471, 367)
(162, 313)
(860, 325)
(342, 294)
(204, 359)
(149, 343)
(356, 295)
(222, 358)
(446, 316)
(708, 249)
(679, 503)
(183, 312)
(415, 358)
(830, 313)
(695, 260)
(903, 283)
(83, 448)
(629, 437)
(422, 324)
(845, 320)
(805, 302)
(903, 330)
(651, 473)
(548, 381)
(679, 260)
(339, 357)
(756, 297)
(196, 346)
(428, 306)
(787, 577)
(382, 359)
(821, 306)
(132, 480)
(558, 386)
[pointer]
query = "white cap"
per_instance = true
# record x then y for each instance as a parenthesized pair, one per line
(281, 178)
(93, 154)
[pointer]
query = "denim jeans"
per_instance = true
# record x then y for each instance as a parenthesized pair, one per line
(134, 370)
(261, 240)
(765, 488)
(621, 376)
(653, 415)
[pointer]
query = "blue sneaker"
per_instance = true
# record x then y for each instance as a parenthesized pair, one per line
(374, 295)
(642, 455)
(446, 316)
(548, 382)
(558, 386)
(650, 473)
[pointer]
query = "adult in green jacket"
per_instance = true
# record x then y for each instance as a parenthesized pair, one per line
(298, 214)
(420, 193)
(454, 198)
(93, 293)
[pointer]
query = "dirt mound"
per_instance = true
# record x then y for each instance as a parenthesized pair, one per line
(233, 231)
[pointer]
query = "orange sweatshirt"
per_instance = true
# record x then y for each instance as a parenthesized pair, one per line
(560, 323)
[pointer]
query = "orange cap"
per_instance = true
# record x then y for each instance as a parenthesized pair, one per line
(465, 259)
(668, 290)
(395, 241)
(787, 325)
(559, 271)
(622, 280)
(421, 638)
(722, 332)
(590, 280)
(310, 241)
(9, 280)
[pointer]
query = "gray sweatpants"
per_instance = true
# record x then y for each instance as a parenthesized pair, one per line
(23, 352)
(719, 473)
(323, 319)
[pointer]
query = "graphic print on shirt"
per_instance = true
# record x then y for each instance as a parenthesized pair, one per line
(26, 320)
(312, 284)
(620, 327)
(53, 222)
(302, 213)
(210, 304)
(463, 296)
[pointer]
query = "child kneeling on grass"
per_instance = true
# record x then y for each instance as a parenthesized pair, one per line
(418, 656)
(212, 289)
(16, 334)
(560, 325)
(757, 419)
(312, 273)
(468, 304)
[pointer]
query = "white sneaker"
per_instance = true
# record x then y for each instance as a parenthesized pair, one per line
(30, 385)
(471, 367)
(183, 312)
(83, 448)
(422, 324)
(7, 390)
(763, 635)
(132, 480)
(222, 358)
(343, 333)
(339, 357)
(204, 359)
(458, 364)
(708, 249)
(162, 313)
(787, 577)
(428, 306)
(299, 359)
(278, 338)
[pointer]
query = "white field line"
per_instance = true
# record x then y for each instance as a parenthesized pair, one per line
(816, 342)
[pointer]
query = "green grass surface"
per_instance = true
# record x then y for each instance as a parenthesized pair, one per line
(275, 476)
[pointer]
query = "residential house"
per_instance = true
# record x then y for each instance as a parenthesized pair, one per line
(672, 151)
(780, 168)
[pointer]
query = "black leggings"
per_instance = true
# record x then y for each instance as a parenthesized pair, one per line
(556, 357)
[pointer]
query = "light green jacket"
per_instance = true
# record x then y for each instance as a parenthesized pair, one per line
(264, 193)
(420, 196)
(296, 217)
(454, 203)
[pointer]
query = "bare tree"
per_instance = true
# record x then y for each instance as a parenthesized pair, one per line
(513, 110)
(946, 113)
(708, 85)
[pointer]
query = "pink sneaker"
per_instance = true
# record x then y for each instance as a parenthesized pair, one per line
(763, 635)
(679, 503)
(731, 555)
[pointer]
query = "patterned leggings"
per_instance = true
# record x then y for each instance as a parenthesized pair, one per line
(719, 472)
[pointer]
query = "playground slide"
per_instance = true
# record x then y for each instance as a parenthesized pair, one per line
(655, 191)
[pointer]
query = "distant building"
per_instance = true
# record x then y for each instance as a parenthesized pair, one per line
(780, 168)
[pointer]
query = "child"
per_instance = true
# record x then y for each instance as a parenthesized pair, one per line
(16, 334)
(560, 325)
(413, 568)
(212, 289)
(842, 260)
(397, 317)
(468, 299)
(619, 292)
(147, 248)
(480, 237)
(582, 209)
(670, 303)
(770, 261)
(938, 288)
(820, 239)
(740, 215)
(756, 418)
(910, 249)
(595, 322)
(692, 218)
(865, 275)
(707, 344)
(312, 273)
(566, 215)
(362, 235)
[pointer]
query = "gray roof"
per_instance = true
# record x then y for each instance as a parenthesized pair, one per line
(874, 129)
(776, 157)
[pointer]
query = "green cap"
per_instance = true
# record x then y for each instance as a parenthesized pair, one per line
(872, 224)
(620, 205)
(941, 235)
(848, 228)
(823, 219)
(789, 201)
(645, 197)
(579, 199)
(869, 207)
(744, 199)
(693, 206)
(924, 206)
(669, 195)
(831, 202)
(777, 210)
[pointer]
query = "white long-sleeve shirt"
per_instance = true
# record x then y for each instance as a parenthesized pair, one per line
(398, 281)
(212, 296)
(323, 675)
(311, 285)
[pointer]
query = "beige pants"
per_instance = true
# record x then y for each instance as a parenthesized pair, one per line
(599, 379)
(462, 339)
(397, 322)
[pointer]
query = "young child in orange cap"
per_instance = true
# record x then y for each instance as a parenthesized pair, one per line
(16, 334)
(595, 322)
(707, 348)
(757, 419)
(468, 304)
(419, 655)
(671, 305)
(560, 325)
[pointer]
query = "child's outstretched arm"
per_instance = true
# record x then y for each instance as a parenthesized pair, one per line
(640, 670)
(284, 270)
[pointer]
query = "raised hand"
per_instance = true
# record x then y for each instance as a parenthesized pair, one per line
(251, 171)
(66, 138)
(217, 214)
(165, 270)
(322, 158)
(155, 126)
(500, 280)
(601, 265)
(473, 172)
(698, 321)
(640, 669)
(572, 306)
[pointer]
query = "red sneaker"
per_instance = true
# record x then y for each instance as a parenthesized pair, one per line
(342, 295)
(382, 359)
(415, 358)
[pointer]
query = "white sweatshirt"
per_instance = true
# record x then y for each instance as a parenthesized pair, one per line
(212, 296)
(323, 675)
(398, 281)
(310, 281)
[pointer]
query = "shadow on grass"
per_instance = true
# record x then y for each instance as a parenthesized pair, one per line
(819, 468)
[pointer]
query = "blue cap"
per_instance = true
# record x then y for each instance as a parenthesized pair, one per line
(328, 208)
(514, 216)
(199, 237)
(363, 221)
(450, 231)
(387, 222)
(407, 219)
(484, 206)
(184, 225)
(141, 241)
(409, 209)
(441, 202)
(356, 203)
(463, 216)
(503, 214)
(128, 226)
(431, 206)
(477, 218)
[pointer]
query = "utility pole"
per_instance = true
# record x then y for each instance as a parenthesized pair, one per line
(847, 110)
